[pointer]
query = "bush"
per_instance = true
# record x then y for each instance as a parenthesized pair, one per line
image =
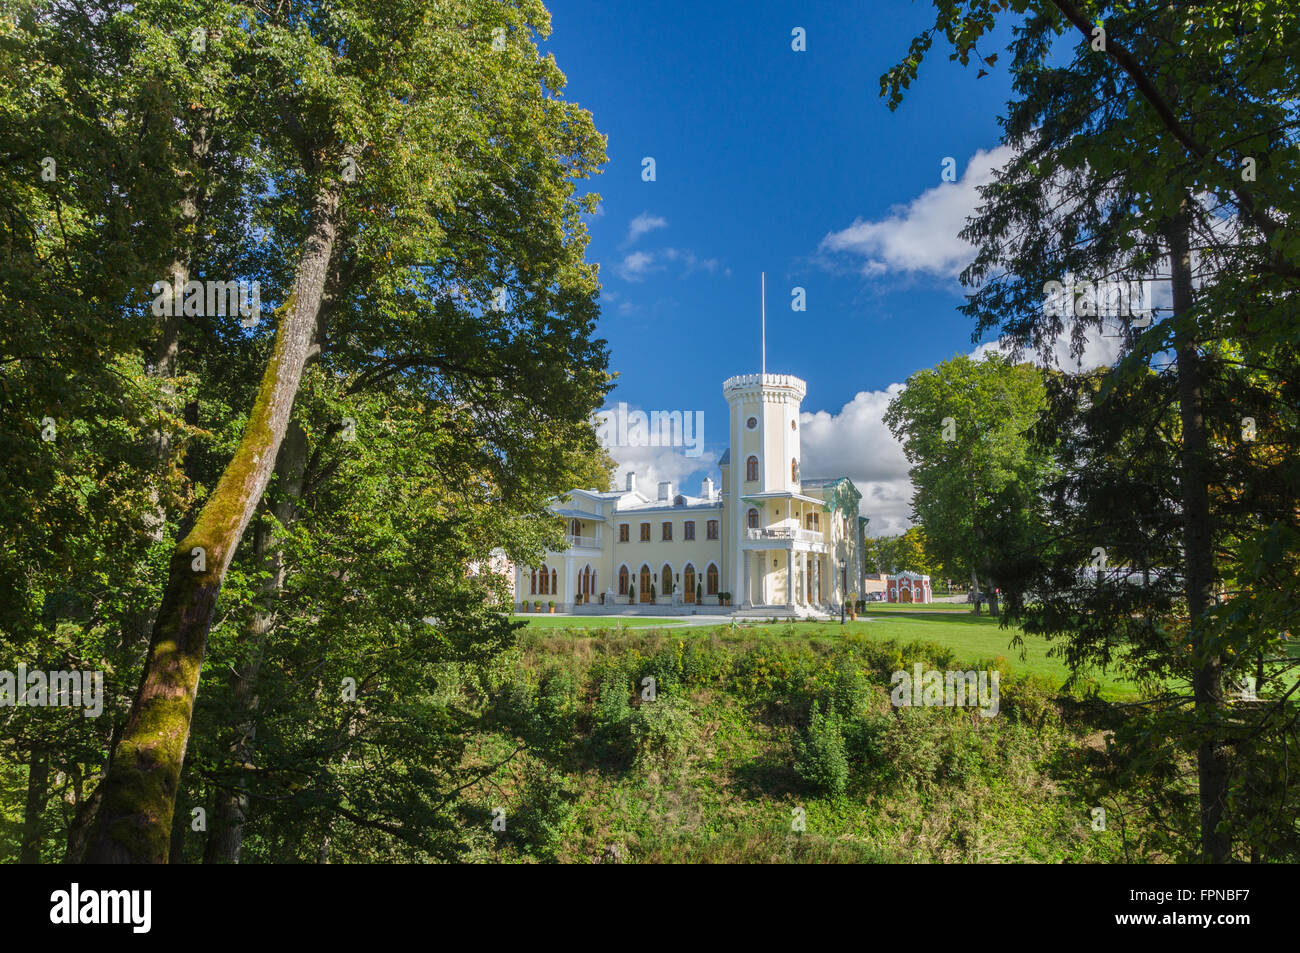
(558, 704)
(662, 732)
(820, 756)
(611, 718)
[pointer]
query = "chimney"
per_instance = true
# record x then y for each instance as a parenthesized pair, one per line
(665, 490)
(706, 490)
(631, 480)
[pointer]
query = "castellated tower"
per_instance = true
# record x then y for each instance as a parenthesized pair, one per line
(764, 463)
(765, 424)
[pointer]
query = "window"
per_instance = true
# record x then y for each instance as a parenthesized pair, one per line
(817, 520)
(712, 529)
(645, 532)
(711, 580)
(753, 519)
(807, 521)
(751, 468)
(575, 527)
(688, 529)
(545, 588)
(624, 532)
(751, 423)
(532, 591)
(622, 580)
(667, 531)
(679, 500)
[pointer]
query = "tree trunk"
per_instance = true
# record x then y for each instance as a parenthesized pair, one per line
(230, 805)
(135, 818)
(1198, 556)
(38, 789)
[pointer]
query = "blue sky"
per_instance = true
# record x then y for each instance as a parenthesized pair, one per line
(790, 163)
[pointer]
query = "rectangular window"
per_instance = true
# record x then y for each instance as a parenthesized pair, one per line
(624, 532)
(668, 531)
(713, 529)
(688, 529)
(645, 532)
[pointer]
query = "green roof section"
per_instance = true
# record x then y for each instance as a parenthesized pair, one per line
(840, 494)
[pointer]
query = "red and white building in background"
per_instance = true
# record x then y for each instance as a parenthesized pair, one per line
(908, 587)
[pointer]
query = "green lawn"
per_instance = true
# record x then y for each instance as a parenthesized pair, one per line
(546, 621)
(972, 638)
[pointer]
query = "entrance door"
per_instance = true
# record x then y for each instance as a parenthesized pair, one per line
(688, 583)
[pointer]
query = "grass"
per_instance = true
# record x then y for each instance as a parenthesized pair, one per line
(547, 621)
(972, 638)
(725, 784)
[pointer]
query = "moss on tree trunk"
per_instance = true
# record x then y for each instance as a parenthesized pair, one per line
(139, 794)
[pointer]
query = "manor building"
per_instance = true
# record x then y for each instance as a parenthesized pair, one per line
(774, 541)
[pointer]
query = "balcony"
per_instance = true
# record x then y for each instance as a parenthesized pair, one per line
(587, 542)
(786, 533)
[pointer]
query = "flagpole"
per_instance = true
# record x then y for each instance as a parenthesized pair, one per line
(763, 295)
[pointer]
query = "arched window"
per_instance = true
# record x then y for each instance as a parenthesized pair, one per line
(544, 588)
(646, 576)
(555, 590)
(622, 580)
(665, 580)
(711, 580)
(753, 518)
(751, 468)
(794, 470)
(532, 591)
(688, 582)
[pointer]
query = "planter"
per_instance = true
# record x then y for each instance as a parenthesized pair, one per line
(552, 610)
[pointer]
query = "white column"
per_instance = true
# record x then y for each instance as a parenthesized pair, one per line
(745, 597)
(568, 582)
(789, 577)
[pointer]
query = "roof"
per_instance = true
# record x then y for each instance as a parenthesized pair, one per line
(725, 458)
(571, 513)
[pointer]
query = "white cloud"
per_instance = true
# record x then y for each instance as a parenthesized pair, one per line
(643, 223)
(655, 464)
(922, 236)
(855, 443)
(635, 266)
(691, 261)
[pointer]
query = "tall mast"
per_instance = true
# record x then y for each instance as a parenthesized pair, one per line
(763, 307)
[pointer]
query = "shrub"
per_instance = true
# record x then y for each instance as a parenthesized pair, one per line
(662, 732)
(820, 756)
(612, 715)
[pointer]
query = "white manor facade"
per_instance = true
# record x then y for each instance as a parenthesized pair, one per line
(774, 541)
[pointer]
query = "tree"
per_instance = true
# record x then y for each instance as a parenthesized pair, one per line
(414, 180)
(1160, 147)
(965, 427)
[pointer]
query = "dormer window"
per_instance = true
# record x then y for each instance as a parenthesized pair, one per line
(679, 501)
